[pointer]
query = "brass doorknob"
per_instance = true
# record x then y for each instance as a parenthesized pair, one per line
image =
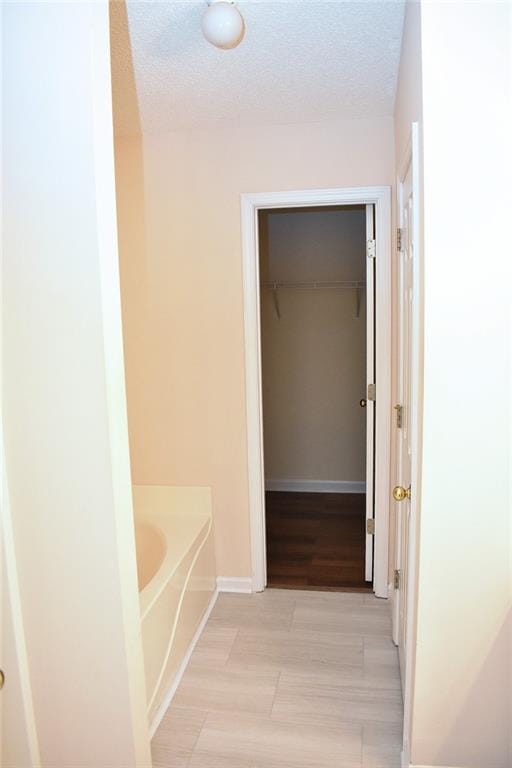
(400, 493)
(2, 679)
(362, 403)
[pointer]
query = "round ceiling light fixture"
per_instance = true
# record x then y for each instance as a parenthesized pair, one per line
(222, 24)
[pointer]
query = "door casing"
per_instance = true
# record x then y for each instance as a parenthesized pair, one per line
(411, 158)
(250, 205)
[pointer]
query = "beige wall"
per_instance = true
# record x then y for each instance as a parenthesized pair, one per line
(462, 707)
(179, 225)
(314, 355)
(66, 440)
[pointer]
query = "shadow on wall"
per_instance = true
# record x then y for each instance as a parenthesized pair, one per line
(486, 702)
(131, 227)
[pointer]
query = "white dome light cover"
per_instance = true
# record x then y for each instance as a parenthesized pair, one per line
(222, 24)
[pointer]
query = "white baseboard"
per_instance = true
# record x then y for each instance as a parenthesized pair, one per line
(234, 584)
(164, 706)
(317, 486)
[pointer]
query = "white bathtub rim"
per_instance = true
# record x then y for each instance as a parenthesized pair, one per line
(171, 691)
(170, 563)
(140, 522)
(151, 699)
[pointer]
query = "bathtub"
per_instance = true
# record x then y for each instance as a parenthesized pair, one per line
(176, 573)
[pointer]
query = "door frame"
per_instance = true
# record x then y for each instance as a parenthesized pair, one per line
(411, 158)
(250, 205)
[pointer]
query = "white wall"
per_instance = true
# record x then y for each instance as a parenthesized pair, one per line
(314, 355)
(181, 267)
(63, 389)
(462, 707)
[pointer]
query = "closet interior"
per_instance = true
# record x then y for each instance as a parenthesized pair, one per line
(314, 356)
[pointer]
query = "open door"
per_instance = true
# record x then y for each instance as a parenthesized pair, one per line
(369, 399)
(402, 491)
(406, 409)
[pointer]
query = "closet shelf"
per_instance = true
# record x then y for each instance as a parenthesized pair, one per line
(276, 286)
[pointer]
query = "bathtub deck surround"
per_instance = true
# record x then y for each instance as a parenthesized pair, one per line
(177, 579)
(288, 678)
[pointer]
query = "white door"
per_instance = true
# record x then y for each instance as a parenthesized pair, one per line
(402, 416)
(406, 409)
(370, 382)
(18, 741)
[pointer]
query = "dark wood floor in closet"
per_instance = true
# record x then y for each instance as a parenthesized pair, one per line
(316, 540)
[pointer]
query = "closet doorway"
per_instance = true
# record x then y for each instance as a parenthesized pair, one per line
(373, 205)
(317, 279)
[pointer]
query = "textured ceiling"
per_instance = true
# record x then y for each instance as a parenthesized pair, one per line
(298, 62)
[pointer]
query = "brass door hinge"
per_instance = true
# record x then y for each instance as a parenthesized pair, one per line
(399, 239)
(370, 526)
(372, 392)
(371, 249)
(396, 580)
(399, 415)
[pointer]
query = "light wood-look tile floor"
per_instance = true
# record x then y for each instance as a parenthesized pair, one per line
(288, 679)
